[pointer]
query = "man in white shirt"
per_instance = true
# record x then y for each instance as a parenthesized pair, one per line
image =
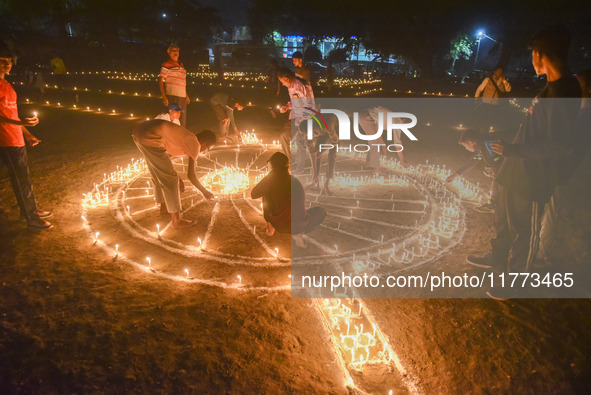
(493, 87)
(173, 115)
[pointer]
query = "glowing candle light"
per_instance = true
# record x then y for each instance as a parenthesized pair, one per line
(239, 279)
(276, 251)
(199, 241)
(35, 114)
(158, 229)
(96, 236)
(187, 273)
(116, 250)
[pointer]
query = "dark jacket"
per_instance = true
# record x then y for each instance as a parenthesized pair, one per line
(533, 162)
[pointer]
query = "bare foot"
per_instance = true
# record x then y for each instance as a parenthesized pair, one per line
(313, 186)
(299, 241)
(270, 229)
(326, 190)
(183, 223)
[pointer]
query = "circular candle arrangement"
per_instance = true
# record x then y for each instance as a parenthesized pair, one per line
(374, 225)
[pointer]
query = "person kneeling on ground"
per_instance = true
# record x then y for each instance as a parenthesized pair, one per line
(475, 143)
(284, 200)
(158, 141)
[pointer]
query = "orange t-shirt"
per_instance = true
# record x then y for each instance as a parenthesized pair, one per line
(10, 135)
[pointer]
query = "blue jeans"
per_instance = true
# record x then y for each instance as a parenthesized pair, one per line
(15, 159)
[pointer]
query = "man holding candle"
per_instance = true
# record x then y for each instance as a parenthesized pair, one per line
(158, 141)
(13, 153)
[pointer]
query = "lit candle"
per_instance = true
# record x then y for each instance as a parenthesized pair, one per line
(116, 250)
(239, 279)
(187, 273)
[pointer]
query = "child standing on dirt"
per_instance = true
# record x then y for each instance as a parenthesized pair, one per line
(13, 153)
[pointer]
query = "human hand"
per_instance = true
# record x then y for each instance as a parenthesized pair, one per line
(32, 140)
(188, 99)
(283, 109)
(206, 194)
(30, 121)
(498, 147)
(165, 100)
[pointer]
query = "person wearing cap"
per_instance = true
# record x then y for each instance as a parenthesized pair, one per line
(158, 141)
(301, 71)
(13, 153)
(173, 82)
(284, 202)
(173, 115)
(224, 105)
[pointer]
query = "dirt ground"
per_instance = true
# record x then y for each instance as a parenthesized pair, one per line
(74, 321)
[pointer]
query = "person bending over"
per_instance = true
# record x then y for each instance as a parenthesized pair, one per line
(475, 143)
(158, 141)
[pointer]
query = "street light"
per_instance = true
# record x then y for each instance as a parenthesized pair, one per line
(480, 35)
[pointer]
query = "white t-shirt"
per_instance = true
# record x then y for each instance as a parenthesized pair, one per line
(166, 116)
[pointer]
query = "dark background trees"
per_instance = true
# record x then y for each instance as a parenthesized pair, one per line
(422, 31)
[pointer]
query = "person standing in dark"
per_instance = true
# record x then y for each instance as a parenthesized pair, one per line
(301, 71)
(173, 82)
(330, 74)
(582, 142)
(533, 161)
(284, 202)
(273, 83)
(13, 153)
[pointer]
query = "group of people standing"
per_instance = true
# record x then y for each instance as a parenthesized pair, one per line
(534, 168)
(529, 173)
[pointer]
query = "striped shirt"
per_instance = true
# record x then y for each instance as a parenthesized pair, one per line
(174, 77)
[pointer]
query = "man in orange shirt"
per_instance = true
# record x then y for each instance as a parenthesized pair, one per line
(173, 82)
(13, 153)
